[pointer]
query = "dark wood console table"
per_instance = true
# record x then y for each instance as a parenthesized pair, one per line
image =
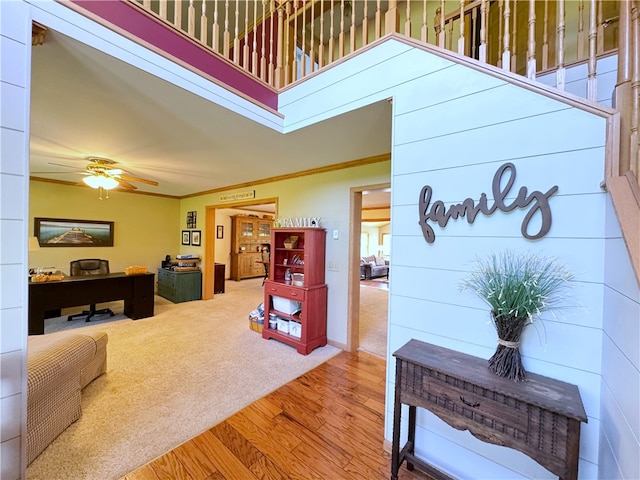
(539, 417)
(135, 290)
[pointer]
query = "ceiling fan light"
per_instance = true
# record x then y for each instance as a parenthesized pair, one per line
(98, 181)
(92, 181)
(108, 183)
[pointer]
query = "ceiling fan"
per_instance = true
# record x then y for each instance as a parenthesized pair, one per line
(103, 174)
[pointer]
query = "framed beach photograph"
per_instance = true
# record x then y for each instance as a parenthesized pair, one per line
(195, 238)
(186, 237)
(220, 231)
(60, 232)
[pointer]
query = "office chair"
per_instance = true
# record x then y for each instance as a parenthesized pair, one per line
(89, 266)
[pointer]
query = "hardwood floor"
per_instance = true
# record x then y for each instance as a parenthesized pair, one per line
(326, 424)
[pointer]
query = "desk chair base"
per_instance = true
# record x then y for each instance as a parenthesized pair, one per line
(90, 314)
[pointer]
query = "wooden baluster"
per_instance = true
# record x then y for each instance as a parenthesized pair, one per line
(331, 44)
(592, 82)
(365, 24)
(424, 31)
(545, 37)
(271, 32)
(215, 32)
(580, 30)
(341, 34)
(294, 61)
(378, 21)
(279, 57)
(263, 57)
(225, 36)
(392, 18)
(191, 25)
(514, 35)
(312, 53)
(625, 95)
(245, 48)
(177, 14)
(473, 24)
(531, 46)
(321, 45)
(146, 4)
(461, 36)
(254, 50)
(438, 25)
(506, 54)
(352, 31)
(600, 34)
(484, 15)
(407, 22)
(303, 57)
(236, 35)
(162, 9)
(203, 23)
(287, 46)
(560, 72)
(500, 17)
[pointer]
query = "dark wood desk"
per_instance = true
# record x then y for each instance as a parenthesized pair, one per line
(135, 290)
(540, 417)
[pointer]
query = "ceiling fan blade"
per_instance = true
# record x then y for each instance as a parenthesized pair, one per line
(126, 184)
(66, 166)
(54, 173)
(141, 180)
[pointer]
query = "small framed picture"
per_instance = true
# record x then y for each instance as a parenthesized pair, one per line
(195, 238)
(186, 237)
(220, 231)
(191, 219)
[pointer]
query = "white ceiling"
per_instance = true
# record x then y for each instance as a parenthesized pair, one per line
(85, 103)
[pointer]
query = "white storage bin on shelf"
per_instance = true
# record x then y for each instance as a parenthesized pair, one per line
(295, 329)
(283, 325)
(285, 305)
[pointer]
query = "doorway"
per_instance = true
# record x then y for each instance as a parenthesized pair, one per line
(367, 302)
(216, 237)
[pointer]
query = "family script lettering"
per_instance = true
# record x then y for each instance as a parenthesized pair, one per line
(440, 214)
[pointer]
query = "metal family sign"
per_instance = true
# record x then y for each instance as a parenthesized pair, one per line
(440, 214)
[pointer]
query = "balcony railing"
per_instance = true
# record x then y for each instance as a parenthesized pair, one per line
(281, 42)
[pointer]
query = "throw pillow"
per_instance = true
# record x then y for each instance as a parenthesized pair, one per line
(369, 259)
(380, 261)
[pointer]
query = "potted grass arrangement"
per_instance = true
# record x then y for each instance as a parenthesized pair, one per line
(517, 288)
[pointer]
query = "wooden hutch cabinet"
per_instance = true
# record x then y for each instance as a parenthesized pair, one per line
(248, 236)
(297, 302)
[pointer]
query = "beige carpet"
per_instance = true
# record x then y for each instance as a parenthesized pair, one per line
(373, 320)
(169, 378)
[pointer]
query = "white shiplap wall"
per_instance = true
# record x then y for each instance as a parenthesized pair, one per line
(15, 58)
(620, 398)
(453, 126)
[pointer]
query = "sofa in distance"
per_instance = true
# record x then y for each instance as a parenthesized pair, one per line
(373, 267)
(59, 366)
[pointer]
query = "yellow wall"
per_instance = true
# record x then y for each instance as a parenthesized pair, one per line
(146, 228)
(325, 195)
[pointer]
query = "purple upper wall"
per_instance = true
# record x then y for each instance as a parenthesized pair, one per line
(127, 17)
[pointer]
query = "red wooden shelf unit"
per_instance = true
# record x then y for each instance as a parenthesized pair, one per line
(297, 302)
